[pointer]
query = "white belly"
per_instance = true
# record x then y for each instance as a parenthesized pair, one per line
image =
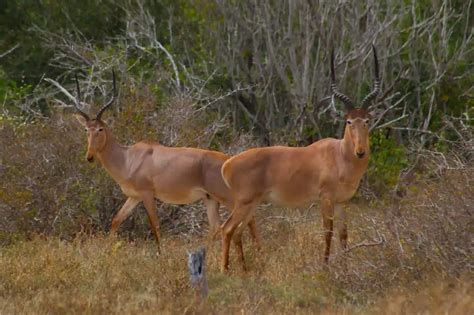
(180, 198)
(175, 197)
(278, 199)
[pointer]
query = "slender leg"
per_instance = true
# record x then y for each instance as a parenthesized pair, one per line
(123, 213)
(240, 250)
(226, 237)
(327, 208)
(240, 217)
(149, 202)
(254, 233)
(213, 216)
(252, 228)
(238, 236)
(340, 214)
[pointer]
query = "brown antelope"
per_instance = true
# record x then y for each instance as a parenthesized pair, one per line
(328, 170)
(148, 170)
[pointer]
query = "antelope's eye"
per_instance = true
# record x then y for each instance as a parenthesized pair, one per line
(349, 122)
(366, 121)
(85, 129)
(101, 129)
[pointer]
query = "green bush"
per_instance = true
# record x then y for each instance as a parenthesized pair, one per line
(387, 160)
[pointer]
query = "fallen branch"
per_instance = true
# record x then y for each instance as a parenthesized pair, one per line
(366, 243)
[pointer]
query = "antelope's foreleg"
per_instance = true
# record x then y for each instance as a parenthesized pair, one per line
(341, 225)
(327, 209)
(123, 214)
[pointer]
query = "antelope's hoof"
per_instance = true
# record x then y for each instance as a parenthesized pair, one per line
(225, 269)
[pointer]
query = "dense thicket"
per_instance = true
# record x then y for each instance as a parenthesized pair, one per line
(225, 75)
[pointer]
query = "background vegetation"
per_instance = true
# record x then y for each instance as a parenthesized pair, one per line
(229, 75)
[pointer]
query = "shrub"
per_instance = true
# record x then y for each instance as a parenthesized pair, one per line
(387, 160)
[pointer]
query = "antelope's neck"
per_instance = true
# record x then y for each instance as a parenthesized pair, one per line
(113, 158)
(354, 167)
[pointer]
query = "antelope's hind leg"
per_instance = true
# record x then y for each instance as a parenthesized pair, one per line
(240, 250)
(150, 206)
(252, 225)
(123, 214)
(250, 222)
(254, 233)
(212, 207)
(240, 217)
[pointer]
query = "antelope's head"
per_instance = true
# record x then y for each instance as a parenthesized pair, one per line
(96, 129)
(357, 119)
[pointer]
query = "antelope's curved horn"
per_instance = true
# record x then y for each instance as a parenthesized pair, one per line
(345, 99)
(376, 90)
(107, 105)
(77, 102)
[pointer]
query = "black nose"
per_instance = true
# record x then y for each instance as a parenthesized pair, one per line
(90, 158)
(360, 155)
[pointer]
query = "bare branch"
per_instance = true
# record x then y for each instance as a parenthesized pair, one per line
(9, 50)
(61, 88)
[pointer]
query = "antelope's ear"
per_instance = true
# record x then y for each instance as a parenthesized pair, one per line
(81, 119)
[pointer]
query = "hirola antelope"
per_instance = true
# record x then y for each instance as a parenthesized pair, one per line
(328, 171)
(147, 170)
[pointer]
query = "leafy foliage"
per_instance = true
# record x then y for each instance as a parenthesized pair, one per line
(387, 161)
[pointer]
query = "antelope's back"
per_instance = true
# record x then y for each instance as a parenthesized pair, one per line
(254, 169)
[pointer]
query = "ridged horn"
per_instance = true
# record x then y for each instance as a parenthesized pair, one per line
(345, 99)
(77, 102)
(107, 105)
(376, 89)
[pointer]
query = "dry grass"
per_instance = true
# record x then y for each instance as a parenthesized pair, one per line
(423, 267)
